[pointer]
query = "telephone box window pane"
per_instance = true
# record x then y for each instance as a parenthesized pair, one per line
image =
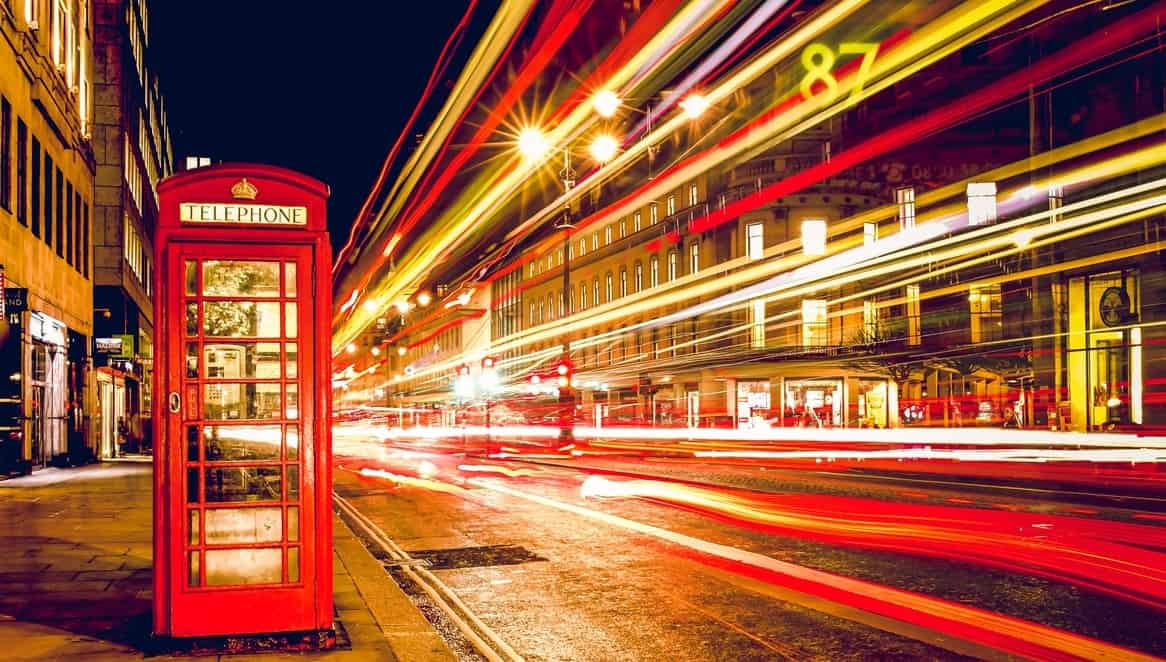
(193, 565)
(192, 360)
(192, 485)
(293, 564)
(243, 525)
(293, 482)
(233, 567)
(289, 279)
(191, 277)
(225, 443)
(243, 359)
(290, 316)
(230, 402)
(242, 484)
(293, 523)
(293, 442)
(237, 278)
(192, 444)
(193, 518)
(293, 401)
(192, 319)
(291, 358)
(241, 318)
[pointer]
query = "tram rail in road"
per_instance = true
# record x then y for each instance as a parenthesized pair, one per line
(484, 640)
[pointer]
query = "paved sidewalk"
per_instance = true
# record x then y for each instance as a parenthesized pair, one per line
(75, 576)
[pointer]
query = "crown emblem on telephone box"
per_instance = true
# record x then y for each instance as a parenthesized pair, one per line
(244, 190)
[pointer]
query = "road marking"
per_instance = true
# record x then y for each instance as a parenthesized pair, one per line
(1012, 635)
(484, 640)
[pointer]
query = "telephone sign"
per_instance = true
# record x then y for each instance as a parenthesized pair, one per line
(242, 482)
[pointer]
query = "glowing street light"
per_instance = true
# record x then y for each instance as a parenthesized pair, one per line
(694, 106)
(401, 350)
(423, 299)
(402, 306)
(351, 348)
(533, 144)
(603, 148)
(606, 103)
(375, 351)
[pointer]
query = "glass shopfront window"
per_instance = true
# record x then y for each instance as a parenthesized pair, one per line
(813, 403)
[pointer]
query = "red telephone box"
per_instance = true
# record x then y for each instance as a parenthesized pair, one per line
(242, 476)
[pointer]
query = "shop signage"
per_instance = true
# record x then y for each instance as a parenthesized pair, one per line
(47, 329)
(216, 212)
(15, 299)
(117, 347)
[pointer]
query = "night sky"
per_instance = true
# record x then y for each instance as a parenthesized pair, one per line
(323, 89)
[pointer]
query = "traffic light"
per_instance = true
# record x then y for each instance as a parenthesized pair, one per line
(535, 380)
(463, 370)
(488, 363)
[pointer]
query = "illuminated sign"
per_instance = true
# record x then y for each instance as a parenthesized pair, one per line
(108, 345)
(216, 212)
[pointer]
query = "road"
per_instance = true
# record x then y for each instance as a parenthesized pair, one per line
(645, 558)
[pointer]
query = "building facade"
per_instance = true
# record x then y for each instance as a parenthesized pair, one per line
(47, 170)
(133, 151)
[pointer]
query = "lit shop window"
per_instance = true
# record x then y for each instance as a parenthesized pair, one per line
(814, 237)
(870, 233)
(905, 199)
(870, 319)
(987, 309)
(754, 241)
(981, 203)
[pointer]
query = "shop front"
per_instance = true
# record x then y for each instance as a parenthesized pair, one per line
(813, 403)
(47, 389)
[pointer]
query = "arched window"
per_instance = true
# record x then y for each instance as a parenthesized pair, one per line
(609, 287)
(623, 281)
(654, 271)
(673, 265)
(639, 284)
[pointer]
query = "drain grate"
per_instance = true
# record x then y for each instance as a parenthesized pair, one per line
(476, 557)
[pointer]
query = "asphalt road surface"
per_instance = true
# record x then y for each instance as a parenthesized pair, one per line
(685, 559)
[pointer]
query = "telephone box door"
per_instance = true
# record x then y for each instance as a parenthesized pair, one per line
(240, 400)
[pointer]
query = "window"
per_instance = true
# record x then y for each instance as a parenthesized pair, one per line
(610, 287)
(542, 311)
(5, 154)
(673, 266)
(623, 228)
(693, 195)
(905, 198)
(815, 333)
(693, 257)
(562, 304)
(68, 223)
(595, 290)
(59, 214)
(582, 247)
(636, 222)
(48, 199)
(814, 237)
(639, 276)
(981, 202)
(560, 257)
(757, 324)
(870, 320)
(653, 213)
(78, 236)
(671, 204)
(532, 320)
(654, 271)
(754, 241)
(623, 281)
(594, 241)
(987, 311)
(913, 336)
(607, 236)
(85, 239)
(870, 233)
(21, 172)
(34, 196)
(582, 296)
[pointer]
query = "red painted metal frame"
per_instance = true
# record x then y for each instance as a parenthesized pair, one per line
(256, 609)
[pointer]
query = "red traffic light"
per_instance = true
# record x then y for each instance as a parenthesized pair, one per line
(564, 369)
